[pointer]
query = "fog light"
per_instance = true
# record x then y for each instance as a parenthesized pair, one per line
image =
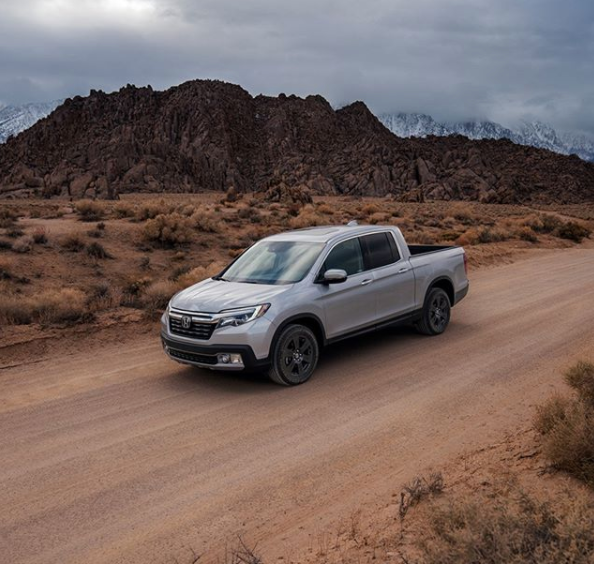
(236, 359)
(224, 358)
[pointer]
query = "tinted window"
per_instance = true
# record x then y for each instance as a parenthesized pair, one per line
(346, 256)
(378, 251)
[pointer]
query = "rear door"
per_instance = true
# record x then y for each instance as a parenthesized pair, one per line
(394, 280)
(349, 305)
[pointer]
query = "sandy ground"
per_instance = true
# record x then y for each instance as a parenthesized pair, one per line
(116, 454)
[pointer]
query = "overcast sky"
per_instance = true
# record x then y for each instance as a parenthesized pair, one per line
(503, 60)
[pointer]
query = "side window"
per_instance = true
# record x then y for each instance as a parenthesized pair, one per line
(378, 250)
(346, 256)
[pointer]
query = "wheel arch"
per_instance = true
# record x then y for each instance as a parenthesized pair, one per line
(446, 285)
(309, 320)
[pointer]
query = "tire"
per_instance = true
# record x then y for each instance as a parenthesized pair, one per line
(436, 313)
(294, 356)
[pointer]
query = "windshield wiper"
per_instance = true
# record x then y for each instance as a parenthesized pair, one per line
(220, 278)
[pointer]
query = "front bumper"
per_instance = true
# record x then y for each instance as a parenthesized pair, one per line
(206, 356)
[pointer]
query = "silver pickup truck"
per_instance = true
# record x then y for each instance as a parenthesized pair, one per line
(288, 295)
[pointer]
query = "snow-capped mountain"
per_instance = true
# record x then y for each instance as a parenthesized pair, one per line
(14, 119)
(535, 134)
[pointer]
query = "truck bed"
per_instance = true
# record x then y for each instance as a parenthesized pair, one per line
(416, 250)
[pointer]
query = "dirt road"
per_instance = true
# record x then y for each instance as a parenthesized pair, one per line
(119, 455)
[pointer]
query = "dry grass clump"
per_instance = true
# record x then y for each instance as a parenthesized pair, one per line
(169, 230)
(419, 489)
(123, 210)
(23, 244)
(198, 274)
(567, 425)
(150, 210)
(156, 296)
(66, 305)
(205, 221)
(308, 217)
(90, 210)
(507, 529)
(72, 243)
(573, 231)
(8, 217)
(97, 250)
(40, 236)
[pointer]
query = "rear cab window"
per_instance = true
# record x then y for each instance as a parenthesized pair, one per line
(379, 249)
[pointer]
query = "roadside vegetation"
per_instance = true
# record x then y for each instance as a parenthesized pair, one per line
(141, 250)
(566, 424)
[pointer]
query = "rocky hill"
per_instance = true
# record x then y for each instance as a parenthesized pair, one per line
(211, 135)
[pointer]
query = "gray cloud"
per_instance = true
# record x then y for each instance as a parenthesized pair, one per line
(456, 59)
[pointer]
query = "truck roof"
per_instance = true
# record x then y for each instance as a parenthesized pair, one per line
(327, 233)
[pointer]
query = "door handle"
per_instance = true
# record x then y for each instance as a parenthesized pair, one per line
(367, 281)
(403, 270)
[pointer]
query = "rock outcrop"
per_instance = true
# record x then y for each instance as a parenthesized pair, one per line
(211, 135)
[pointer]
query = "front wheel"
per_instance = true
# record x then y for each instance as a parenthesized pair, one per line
(294, 356)
(436, 313)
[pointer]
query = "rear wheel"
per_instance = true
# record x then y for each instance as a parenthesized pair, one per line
(436, 313)
(294, 356)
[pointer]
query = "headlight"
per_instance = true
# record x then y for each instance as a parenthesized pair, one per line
(235, 317)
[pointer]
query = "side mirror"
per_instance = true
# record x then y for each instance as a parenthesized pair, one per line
(334, 276)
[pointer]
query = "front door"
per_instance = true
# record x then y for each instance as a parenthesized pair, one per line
(348, 305)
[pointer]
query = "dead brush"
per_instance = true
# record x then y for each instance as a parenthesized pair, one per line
(510, 528)
(242, 553)
(419, 489)
(90, 210)
(566, 425)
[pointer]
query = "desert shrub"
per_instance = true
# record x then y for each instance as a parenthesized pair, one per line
(527, 234)
(132, 289)
(488, 235)
(123, 210)
(145, 262)
(179, 271)
(449, 235)
(507, 529)
(95, 233)
(205, 222)
(567, 425)
(97, 250)
(72, 243)
(14, 232)
(580, 377)
(421, 238)
(151, 210)
(418, 489)
(463, 213)
(169, 230)
(543, 223)
(325, 209)
(89, 210)
(199, 273)
(8, 217)
(369, 209)
(39, 236)
(573, 231)
(306, 218)
(23, 245)
(156, 296)
(65, 305)
(5, 245)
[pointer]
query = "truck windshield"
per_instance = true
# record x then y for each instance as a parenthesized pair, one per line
(273, 262)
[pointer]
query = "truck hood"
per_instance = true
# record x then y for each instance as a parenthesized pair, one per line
(212, 296)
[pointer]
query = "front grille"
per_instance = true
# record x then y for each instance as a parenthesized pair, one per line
(192, 357)
(196, 330)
